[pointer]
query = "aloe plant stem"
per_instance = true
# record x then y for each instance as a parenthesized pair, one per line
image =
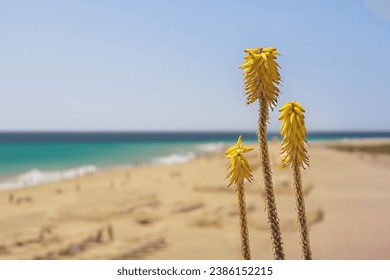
(272, 213)
(300, 204)
(245, 248)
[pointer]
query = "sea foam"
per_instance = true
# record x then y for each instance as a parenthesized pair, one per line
(211, 147)
(36, 176)
(174, 158)
(183, 157)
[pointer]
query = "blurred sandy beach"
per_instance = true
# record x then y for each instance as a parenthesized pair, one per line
(185, 211)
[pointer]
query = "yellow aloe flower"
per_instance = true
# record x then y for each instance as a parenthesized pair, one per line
(294, 137)
(239, 168)
(293, 131)
(261, 75)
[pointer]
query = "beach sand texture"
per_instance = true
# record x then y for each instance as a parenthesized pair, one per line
(185, 211)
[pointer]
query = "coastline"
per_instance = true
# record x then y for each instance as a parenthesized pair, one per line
(157, 211)
(35, 176)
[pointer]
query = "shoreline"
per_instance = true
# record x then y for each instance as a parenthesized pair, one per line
(80, 171)
(32, 175)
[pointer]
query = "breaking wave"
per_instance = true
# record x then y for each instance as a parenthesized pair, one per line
(36, 176)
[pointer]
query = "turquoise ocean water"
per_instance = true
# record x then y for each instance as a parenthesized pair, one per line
(32, 158)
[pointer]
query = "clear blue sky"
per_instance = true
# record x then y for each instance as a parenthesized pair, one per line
(173, 65)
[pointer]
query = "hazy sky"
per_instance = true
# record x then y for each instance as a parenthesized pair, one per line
(173, 65)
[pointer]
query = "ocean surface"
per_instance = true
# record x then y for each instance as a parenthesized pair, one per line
(31, 158)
